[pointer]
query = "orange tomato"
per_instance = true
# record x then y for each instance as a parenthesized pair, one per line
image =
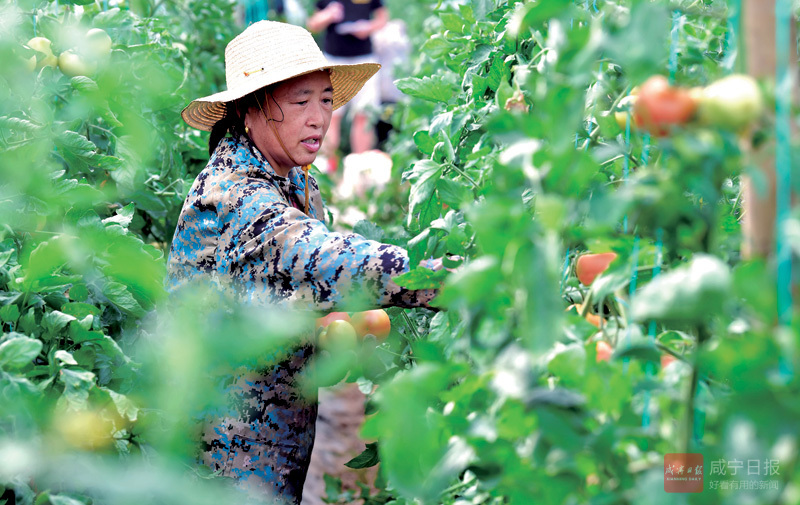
(323, 322)
(591, 318)
(661, 105)
(372, 322)
(666, 359)
(589, 266)
(604, 351)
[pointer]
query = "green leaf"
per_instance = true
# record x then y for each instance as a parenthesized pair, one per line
(414, 452)
(45, 259)
(125, 407)
(568, 362)
(533, 15)
(19, 352)
(558, 397)
(54, 321)
(80, 310)
(421, 278)
(75, 144)
(64, 357)
(437, 88)
(424, 142)
(77, 384)
(368, 457)
(9, 313)
(368, 230)
(634, 344)
(5, 256)
(79, 293)
(84, 84)
(639, 48)
(123, 217)
(61, 499)
(16, 124)
(454, 193)
(472, 282)
(333, 487)
(119, 295)
(79, 334)
(424, 175)
(692, 293)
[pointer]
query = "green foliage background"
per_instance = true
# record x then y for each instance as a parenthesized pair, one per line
(497, 399)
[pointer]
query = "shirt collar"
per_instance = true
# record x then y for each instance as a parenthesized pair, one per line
(259, 161)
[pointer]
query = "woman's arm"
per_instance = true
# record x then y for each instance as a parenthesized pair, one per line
(323, 18)
(268, 242)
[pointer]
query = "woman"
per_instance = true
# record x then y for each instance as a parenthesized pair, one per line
(252, 223)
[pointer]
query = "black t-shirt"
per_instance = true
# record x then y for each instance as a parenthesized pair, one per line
(344, 44)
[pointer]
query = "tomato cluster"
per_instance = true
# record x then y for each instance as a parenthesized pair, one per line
(340, 330)
(83, 59)
(733, 103)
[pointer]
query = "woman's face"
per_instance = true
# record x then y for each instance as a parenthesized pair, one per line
(301, 110)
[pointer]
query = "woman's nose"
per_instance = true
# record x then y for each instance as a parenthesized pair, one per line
(316, 115)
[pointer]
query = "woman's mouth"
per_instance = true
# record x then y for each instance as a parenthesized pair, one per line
(312, 143)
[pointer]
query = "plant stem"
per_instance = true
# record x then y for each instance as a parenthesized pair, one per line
(702, 337)
(410, 325)
(464, 174)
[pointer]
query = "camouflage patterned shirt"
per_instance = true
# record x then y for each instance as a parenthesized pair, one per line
(242, 225)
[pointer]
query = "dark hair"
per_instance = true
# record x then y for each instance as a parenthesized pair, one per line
(233, 120)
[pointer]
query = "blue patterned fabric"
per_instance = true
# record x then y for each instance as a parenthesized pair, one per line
(242, 225)
(241, 228)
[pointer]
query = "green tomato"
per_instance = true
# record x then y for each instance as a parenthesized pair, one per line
(73, 65)
(338, 336)
(733, 102)
(45, 57)
(97, 43)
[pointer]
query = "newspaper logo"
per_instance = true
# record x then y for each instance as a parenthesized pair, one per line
(683, 473)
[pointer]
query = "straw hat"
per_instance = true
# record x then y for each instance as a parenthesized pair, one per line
(268, 52)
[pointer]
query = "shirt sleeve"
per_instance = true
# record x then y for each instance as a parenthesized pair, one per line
(375, 5)
(271, 245)
(321, 4)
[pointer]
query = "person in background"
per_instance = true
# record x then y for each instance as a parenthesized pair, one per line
(348, 26)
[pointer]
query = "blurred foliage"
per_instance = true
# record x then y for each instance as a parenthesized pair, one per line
(514, 166)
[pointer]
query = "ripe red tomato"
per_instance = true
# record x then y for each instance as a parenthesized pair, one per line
(324, 321)
(604, 351)
(590, 266)
(661, 106)
(666, 359)
(372, 322)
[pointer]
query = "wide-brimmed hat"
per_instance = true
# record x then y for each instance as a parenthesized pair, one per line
(268, 52)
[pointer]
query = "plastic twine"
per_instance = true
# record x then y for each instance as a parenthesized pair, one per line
(651, 327)
(783, 167)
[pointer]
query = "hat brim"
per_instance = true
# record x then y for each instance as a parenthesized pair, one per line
(347, 80)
